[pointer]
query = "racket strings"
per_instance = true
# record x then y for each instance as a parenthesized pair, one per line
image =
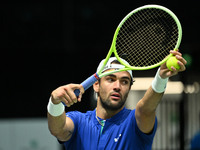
(146, 37)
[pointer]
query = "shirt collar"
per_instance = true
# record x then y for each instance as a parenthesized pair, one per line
(115, 119)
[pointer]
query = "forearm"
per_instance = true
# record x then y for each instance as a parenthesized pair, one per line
(146, 107)
(59, 125)
(150, 101)
(154, 94)
(56, 124)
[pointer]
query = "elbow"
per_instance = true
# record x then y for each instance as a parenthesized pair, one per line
(54, 132)
(60, 134)
(145, 110)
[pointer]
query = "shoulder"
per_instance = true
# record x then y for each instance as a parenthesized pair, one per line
(125, 116)
(131, 117)
(148, 138)
(129, 113)
(77, 115)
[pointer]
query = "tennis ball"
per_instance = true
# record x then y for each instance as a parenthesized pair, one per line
(172, 61)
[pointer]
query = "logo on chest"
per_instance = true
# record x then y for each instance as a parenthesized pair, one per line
(117, 138)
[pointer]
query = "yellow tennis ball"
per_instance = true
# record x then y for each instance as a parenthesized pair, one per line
(172, 61)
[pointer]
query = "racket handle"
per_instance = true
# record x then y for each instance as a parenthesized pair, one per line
(87, 83)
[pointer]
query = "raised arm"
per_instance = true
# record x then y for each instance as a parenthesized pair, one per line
(146, 107)
(61, 126)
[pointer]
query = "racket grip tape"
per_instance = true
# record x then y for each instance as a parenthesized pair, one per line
(87, 83)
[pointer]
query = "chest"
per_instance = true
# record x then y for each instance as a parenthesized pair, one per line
(111, 136)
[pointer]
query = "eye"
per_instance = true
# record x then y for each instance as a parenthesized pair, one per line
(110, 79)
(125, 82)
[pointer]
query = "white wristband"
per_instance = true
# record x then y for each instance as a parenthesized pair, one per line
(55, 109)
(159, 84)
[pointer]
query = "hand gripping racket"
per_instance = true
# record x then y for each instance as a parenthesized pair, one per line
(146, 36)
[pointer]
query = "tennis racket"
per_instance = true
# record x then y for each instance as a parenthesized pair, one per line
(146, 36)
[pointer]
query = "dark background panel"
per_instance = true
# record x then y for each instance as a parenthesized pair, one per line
(48, 44)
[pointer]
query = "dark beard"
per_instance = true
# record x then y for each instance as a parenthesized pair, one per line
(108, 106)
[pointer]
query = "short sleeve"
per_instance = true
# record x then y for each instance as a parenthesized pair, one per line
(75, 117)
(148, 138)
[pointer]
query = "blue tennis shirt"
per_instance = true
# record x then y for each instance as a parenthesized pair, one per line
(119, 133)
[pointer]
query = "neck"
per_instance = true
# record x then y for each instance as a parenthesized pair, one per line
(105, 113)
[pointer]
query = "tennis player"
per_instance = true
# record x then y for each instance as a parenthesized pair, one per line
(110, 126)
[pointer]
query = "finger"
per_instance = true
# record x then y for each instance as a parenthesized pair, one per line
(65, 97)
(174, 70)
(60, 95)
(79, 97)
(72, 97)
(181, 59)
(182, 66)
(67, 100)
(57, 97)
(82, 90)
(64, 100)
(182, 62)
(175, 53)
(69, 89)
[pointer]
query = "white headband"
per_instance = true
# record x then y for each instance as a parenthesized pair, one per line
(109, 65)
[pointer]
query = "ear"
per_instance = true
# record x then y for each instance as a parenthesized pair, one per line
(96, 86)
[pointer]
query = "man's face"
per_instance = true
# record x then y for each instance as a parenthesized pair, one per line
(114, 89)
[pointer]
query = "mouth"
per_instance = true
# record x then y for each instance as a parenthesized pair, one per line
(115, 96)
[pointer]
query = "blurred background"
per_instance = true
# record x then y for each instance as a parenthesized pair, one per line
(46, 44)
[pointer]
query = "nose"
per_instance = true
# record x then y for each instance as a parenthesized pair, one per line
(117, 86)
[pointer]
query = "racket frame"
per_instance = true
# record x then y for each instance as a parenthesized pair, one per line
(93, 78)
(113, 49)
